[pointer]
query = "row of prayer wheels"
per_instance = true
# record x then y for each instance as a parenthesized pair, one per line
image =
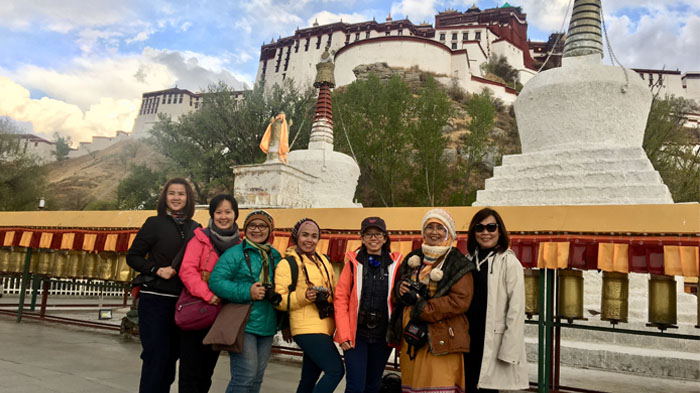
(107, 266)
(614, 297)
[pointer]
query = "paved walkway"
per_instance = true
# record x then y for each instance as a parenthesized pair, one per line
(37, 357)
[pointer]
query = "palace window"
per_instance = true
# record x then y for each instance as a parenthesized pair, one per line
(661, 80)
(306, 46)
(400, 32)
(388, 33)
(465, 36)
(163, 100)
(367, 35)
(347, 38)
(442, 36)
(357, 36)
(454, 36)
(318, 42)
(296, 47)
(170, 99)
(651, 79)
(454, 45)
(477, 35)
(180, 99)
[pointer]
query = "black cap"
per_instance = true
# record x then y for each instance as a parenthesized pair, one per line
(373, 222)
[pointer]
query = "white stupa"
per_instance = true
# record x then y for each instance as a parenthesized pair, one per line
(317, 177)
(581, 128)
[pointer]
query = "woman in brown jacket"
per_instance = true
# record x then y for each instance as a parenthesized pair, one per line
(430, 297)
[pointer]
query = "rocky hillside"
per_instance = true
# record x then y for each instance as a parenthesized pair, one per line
(91, 180)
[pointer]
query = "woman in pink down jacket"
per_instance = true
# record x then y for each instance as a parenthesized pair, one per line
(197, 361)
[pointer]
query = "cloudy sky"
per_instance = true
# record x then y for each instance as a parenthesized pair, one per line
(79, 67)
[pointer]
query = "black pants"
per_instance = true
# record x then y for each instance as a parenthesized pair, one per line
(472, 368)
(197, 362)
(160, 340)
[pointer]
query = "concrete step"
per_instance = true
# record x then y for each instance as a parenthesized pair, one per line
(617, 358)
(576, 166)
(590, 195)
(571, 156)
(568, 178)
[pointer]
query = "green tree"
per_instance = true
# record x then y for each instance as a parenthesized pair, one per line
(225, 132)
(140, 189)
(62, 146)
(672, 148)
(371, 123)
(21, 175)
(499, 66)
(431, 110)
(476, 143)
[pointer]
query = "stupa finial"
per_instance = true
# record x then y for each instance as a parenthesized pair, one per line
(585, 34)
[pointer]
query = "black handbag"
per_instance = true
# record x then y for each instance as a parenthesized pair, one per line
(416, 336)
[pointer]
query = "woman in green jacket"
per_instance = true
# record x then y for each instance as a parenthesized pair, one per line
(244, 274)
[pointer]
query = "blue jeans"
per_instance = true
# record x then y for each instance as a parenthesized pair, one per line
(248, 367)
(365, 366)
(320, 355)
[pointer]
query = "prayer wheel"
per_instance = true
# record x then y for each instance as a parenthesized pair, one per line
(17, 256)
(60, 264)
(615, 297)
(570, 294)
(662, 301)
(532, 292)
(45, 260)
(123, 270)
(107, 265)
(91, 265)
(74, 264)
(5, 254)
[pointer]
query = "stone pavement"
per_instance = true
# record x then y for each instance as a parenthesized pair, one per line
(37, 357)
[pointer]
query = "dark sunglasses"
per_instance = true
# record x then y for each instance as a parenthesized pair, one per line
(489, 227)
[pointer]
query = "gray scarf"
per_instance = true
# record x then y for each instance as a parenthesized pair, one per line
(223, 239)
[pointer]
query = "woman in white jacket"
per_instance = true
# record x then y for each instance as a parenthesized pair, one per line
(497, 313)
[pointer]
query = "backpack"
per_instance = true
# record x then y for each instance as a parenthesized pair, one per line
(283, 316)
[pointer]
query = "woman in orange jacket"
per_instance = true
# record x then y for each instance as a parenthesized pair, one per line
(362, 307)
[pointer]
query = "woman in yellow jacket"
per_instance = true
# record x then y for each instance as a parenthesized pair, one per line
(310, 307)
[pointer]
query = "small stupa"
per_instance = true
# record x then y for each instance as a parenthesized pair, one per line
(581, 128)
(317, 177)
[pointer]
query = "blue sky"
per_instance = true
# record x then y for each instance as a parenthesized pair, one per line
(79, 67)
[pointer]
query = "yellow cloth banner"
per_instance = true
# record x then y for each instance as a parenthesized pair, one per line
(553, 255)
(67, 241)
(111, 242)
(131, 239)
(283, 148)
(45, 240)
(9, 238)
(353, 245)
(681, 261)
(89, 242)
(613, 257)
(322, 247)
(404, 247)
(26, 239)
(280, 243)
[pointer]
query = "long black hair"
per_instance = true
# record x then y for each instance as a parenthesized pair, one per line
(162, 206)
(503, 238)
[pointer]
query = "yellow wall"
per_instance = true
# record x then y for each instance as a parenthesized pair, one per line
(666, 219)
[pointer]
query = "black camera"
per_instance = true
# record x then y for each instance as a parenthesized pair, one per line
(272, 296)
(325, 308)
(369, 319)
(415, 290)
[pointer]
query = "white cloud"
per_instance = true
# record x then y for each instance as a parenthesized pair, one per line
(326, 17)
(656, 41)
(415, 10)
(48, 115)
(185, 26)
(63, 16)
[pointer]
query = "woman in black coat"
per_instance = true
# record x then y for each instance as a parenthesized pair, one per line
(152, 254)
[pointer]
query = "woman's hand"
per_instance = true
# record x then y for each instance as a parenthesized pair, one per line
(214, 300)
(346, 346)
(311, 294)
(257, 291)
(166, 273)
(403, 287)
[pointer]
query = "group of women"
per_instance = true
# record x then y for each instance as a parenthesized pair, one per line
(457, 319)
